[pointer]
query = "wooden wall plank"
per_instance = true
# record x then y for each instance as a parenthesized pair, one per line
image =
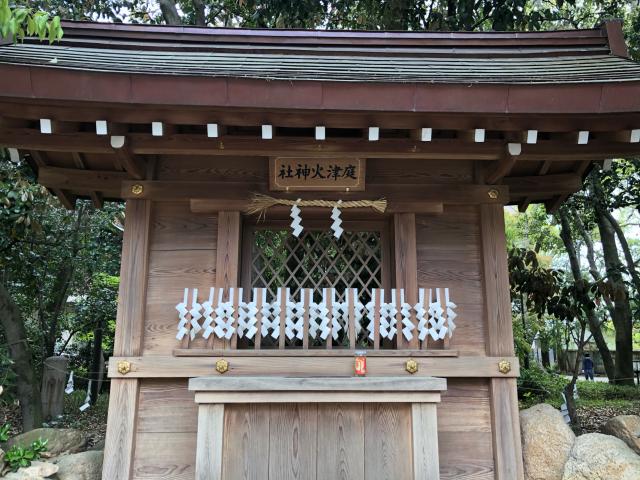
(246, 449)
(166, 406)
(449, 255)
(387, 442)
(210, 442)
(293, 441)
(162, 456)
(466, 457)
(175, 227)
(406, 268)
(340, 442)
(170, 272)
(123, 401)
(504, 405)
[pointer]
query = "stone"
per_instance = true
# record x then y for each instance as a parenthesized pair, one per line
(546, 442)
(81, 466)
(98, 446)
(36, 471)
(60, 440)
(596, 456)
(627, 429)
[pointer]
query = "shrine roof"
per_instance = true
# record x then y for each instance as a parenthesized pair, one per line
(555, 57)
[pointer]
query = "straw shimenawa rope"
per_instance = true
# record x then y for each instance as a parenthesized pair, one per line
(260, 203)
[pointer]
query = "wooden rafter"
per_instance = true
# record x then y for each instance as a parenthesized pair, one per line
(96, 198)
(133, 165)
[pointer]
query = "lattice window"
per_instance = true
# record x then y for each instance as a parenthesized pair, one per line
(315, 260)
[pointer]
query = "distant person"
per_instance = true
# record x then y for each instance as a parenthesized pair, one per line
(587, 366)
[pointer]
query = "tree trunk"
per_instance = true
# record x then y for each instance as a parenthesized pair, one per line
(170, 12)
(96, 361)
(622, 318)
(595, 326)
(631, 266)
(200, 19)
(28, 391)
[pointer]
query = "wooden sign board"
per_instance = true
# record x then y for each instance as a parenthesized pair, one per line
(319, 174)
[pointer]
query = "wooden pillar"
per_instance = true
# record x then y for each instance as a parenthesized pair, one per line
(228, 257)
(505, 420)
(426, 464)
(123, 399)
(406, 261)
(210, 441)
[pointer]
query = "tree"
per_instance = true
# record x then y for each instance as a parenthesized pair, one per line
(19, 22)
(49, 260)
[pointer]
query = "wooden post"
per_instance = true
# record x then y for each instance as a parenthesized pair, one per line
(227, 257)
(505, 420)
(406, 256)
(210, 441)
(123, 399)
(424, 418)
(54, 380)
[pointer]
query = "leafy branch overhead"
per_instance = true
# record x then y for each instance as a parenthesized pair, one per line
(20, 22)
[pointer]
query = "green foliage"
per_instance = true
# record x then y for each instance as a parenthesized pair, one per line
(537, 385)
(4, 432)
(19, 22)
(607, 391)
(18, 456)
(59, 266)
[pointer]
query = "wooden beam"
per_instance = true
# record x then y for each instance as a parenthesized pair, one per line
(67, 200)
(79, 162)
(222, 204)
(82, 180)
(190, 144)
(545, 184)
(393, 365)
(460, 194)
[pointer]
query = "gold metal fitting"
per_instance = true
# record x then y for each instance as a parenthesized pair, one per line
(137, 189)
(222, 366)
(124, 367)
(504, 366)
(493, 194)
(411, 366)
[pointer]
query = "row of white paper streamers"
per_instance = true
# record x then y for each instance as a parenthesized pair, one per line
(433, 316)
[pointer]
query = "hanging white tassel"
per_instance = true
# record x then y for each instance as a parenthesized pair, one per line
(87, 400)
(69, 389)
(336, 226)
(296, 224)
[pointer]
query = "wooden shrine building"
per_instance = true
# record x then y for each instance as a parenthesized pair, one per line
(300, 203)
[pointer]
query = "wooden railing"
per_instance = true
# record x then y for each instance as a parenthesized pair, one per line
(338, 320)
